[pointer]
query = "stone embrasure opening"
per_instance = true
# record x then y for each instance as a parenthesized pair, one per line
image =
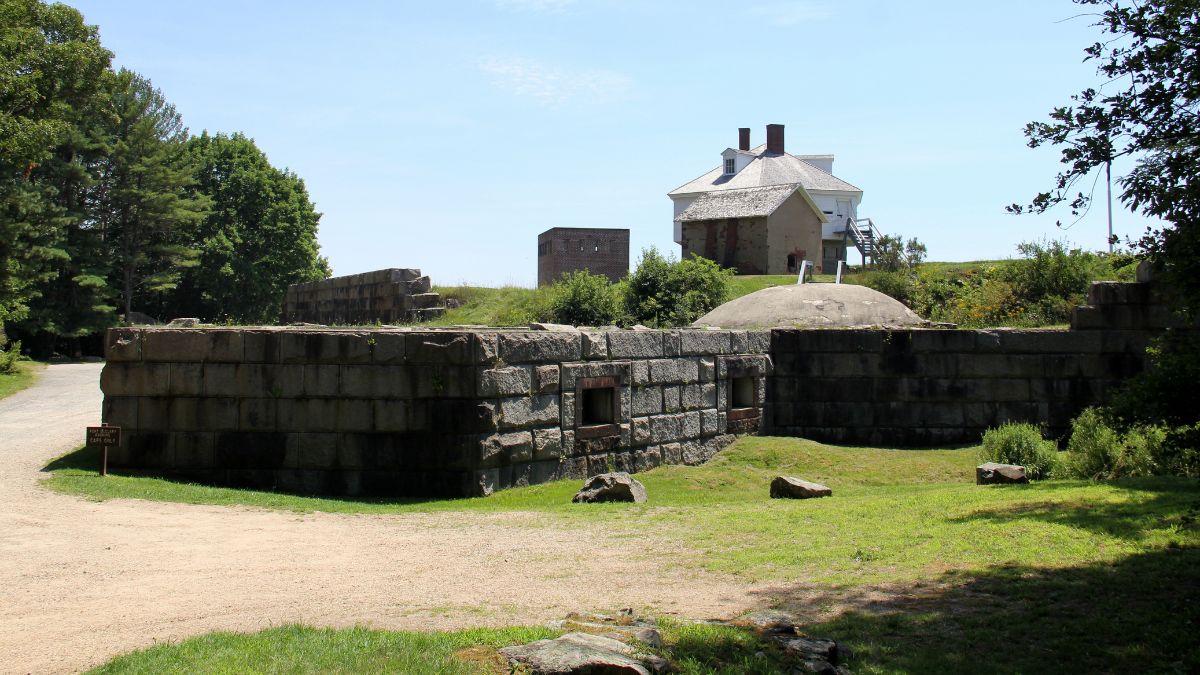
(741, 392)
(597, 414)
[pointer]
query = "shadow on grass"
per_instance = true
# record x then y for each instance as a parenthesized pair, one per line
(1141, 614)
(1171, 501)
(87, 459)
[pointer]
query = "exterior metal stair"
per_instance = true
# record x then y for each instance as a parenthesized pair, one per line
(864, 235)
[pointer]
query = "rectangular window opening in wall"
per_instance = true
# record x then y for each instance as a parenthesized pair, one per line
(743, 397)
(596, 414)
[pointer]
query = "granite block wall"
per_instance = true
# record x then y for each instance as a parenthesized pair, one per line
(382, 296)
(425, 413)
(928, 387)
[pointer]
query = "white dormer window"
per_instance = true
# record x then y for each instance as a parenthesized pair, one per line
(730, 166)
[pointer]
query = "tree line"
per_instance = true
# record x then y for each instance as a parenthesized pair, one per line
(110, 209)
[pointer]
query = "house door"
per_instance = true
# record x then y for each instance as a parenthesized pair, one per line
(843, 211)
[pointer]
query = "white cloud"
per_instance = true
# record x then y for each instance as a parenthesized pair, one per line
(791, 13)
(535, 5)
(552, 85)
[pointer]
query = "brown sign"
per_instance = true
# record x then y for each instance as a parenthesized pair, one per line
(103, 436)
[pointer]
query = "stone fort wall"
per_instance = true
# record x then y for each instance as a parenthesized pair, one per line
(407, 412)
(416, 413)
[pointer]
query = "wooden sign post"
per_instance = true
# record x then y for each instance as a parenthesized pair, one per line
(103, 436)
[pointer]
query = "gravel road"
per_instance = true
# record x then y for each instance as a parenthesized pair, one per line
(82, 581)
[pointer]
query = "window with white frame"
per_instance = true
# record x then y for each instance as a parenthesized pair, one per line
(730, 164)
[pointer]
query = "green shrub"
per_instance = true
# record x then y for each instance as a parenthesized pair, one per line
(9, 358)
(1020, 443)
(1100, 452)
(1050, 279)
(584, 299)
(663, 292)
(898, 285)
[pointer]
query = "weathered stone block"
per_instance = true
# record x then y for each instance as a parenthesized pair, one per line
(193, 450)
(321, 381)
(123, 344)
(391, 415)
(439, 348)
(356, 415)
(256, 414)
(507, 381)
(646, 401)
(696, 396)
(567, 410)
(547, 444)
(312, 451)
(691, 424)
(594, 344)
(507, 448)
(260, 346)
(640, 373)
(175, 345)
(640, 344)
(154, 413)
(541, 347)
(710, 422)
(672, 398)
(640, 431)
(528, 411)
(759, 341)
(665, 428)
(671, 344)
(388, 348)
(739, 342)
(700, 342)
(546, 379)
(673, 371)
(120, 411)
(707, 369)
(672, 453)
(486, 347)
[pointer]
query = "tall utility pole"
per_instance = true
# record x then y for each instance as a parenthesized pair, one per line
(1108, 175)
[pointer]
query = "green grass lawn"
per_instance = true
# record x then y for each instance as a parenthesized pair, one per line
(910, 562)
(26, 374)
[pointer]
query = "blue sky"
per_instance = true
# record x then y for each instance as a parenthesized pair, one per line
(446, 136)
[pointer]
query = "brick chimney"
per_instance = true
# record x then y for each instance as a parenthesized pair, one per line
(775, 139)
(744, 138)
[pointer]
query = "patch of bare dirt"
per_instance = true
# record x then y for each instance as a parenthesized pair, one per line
(83, 581)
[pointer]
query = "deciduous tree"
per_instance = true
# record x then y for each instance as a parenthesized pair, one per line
(1146, 113)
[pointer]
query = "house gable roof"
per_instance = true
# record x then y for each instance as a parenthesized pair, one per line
(767, 169)
(755, 202)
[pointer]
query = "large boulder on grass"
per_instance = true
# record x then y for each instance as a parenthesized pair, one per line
(790, 487)
(991, 473)
(576, 653)
(612, 487)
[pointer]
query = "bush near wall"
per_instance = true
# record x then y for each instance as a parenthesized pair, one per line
(1038, 289)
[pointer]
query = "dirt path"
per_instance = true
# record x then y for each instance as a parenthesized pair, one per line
(82, 581)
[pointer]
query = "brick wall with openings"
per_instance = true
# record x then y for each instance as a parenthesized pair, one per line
(596, 249)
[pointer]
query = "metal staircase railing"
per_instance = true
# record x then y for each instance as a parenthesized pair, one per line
(864, 235)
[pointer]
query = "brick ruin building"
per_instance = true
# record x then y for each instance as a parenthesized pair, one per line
(568, 249)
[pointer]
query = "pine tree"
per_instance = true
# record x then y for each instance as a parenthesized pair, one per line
(146, 204)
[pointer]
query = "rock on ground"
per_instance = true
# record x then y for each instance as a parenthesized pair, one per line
(577, 653)
(790, 487)
(991, 473)
(612, 487)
